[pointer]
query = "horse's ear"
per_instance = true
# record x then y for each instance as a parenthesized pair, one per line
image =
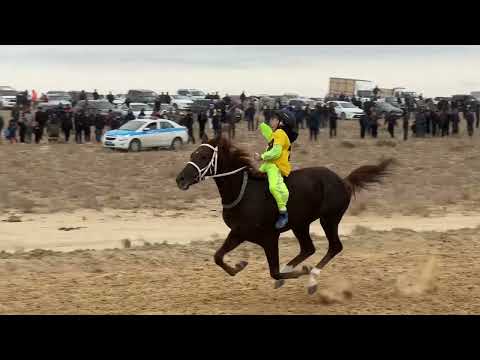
(204, 139)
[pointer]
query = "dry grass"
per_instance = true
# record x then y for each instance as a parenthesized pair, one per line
(431, 173)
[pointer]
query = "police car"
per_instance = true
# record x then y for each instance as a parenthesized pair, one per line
(138, 134)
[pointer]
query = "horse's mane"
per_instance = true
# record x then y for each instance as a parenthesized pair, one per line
(236, 155)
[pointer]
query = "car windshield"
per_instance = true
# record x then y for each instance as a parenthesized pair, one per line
(347, 105)
(132, 125)
(198, 93)
(57, 97)
(180, 97)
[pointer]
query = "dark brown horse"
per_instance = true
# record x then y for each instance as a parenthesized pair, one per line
(250, 211)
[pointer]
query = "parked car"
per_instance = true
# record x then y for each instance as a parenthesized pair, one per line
(139, 134)
(383, 108)
(137, 108)
(142, 96)
(56, 100)
(101, 106)
(193, 94)
(201, 105)
(300, 102)
(8, 97)
(181, 102)
(346, 110)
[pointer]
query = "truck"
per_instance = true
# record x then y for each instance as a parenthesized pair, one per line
(350, 87)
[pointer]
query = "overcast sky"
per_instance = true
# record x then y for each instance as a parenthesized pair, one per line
(433, 70)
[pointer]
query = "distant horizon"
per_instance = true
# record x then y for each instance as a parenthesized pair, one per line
(305, 70)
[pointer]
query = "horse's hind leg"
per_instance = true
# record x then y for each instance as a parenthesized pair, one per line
(307, 249)
(231, 242)
(330, 226)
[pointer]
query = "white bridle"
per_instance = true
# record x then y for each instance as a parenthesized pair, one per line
(212, 166)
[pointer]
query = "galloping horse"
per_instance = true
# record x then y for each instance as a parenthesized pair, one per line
(250, 211)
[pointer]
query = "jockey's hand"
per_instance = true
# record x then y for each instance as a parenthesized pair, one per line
(257, 157)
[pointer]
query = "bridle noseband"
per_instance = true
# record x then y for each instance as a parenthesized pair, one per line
(211, 169)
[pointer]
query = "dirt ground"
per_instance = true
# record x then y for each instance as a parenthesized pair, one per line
(411, 263)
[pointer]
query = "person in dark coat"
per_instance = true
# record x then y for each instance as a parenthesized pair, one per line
(79, 121)
(363, 121)
(444, 119)
(391, 122)
(127, 102)
(243, 97)
(130, 116)
(477, 113)
(157, 104)
(300, 114)
(406, 120)
(66, 123)
(115, 123)
(110, 97)
(95, 95)
(227, 100)
(435, 121)
(41, 117)
(168, 98)
(99, 126)
(373, 123)
(454, 118)
(142, 114)
(187, 121)
(250, 117)
(2, 124)
(420, 123)
(202, 120)
(83, 95)
(314, 119)
(216, 122)
(332, 121)
(470, 118)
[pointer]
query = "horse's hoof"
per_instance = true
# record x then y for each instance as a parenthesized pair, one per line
(306, 269)
(279, 283)
(241, 265)
(312, 289)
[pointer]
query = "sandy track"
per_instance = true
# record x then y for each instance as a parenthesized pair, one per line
(106, 229)
(391, 272)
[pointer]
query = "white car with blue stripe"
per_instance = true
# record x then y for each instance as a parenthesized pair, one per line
(139, 134)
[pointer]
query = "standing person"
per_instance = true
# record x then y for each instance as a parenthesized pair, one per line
(127, 102)
(444, 118)
(420, 123)
(267, 114)
(470, 118)
(231, 121)
(95, 95)
(11, 133)
(87, 129)
(66, 123)
(168, 98)
(99, 127)
(250, 116)
(216, 122)
(435, 117)
(157, 104)
(110, 97)
(42, 118)
(141, 115)
(243, 97)
(114, 123)
(391, 122)
(314, 123)
(83, 95)
(79, 120)
(210, 114)
(332, 120)
(406, 120)
(130, 116)
(300, 117)
(454, 118)
(373, 124)
(2, 124)
(363, 125)
(202, 119)
(22, 127)
(188, 123)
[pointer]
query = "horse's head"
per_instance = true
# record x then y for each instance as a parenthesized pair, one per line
(202, 162)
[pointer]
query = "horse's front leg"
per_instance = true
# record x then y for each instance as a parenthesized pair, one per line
(231, 242)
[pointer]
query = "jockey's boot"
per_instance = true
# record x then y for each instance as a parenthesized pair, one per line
(282, 220)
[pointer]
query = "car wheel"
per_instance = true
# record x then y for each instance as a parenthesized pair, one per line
(343, 116)
(135, 146)
(177, 144)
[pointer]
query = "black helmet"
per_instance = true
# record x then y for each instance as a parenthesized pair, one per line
(286, 117)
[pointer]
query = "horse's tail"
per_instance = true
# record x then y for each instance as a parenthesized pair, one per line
(364, 176)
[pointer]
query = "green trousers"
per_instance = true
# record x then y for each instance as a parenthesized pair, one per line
(276, 185)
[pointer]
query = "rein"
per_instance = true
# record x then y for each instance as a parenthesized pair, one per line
(211, 169)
